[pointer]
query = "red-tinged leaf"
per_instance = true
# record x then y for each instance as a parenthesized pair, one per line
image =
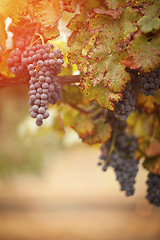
(69, 5)
(51, 33)
(112, 13)
(108, 69)
(114, 4)
(90, 4)
(128, 23)
(151, 8)
(14, 9)
(76, 23)
(4, 70)
(83, 125)
(101, 94)
(101, 133)
(109, 31)
(146, 52)
(47, 12)
(3, 35)
(76, 43)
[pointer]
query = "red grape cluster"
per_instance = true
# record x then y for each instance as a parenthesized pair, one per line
(42, 63)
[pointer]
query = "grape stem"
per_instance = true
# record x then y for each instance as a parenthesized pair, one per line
(112, 148)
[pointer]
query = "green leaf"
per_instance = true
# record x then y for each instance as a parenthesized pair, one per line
(101, 94)
(146, 53)
(149, 24)
(83, 125)
(101, 133)
(46, 12)
(69, 5)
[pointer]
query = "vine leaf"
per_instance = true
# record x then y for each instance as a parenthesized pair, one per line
(149, 24)
(14, 9)
(151, 8)
(76, 23)
(4, 70)
(101, 94)
(107, 68)
(114, 14)
(74, 95)
(149, 104)
(128, 23)
(69, 5)
(76, 42)
(146, 53)
(114, 4)
(152, 164)
(89, 4)
(51, 32)
(83, 125)
(101, 133)
(47, 12)
(3, 32)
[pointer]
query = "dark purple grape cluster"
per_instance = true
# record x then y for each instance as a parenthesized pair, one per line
(42, 63)
(153, 191)
(119, 153)
(126, 106)
(150, 82)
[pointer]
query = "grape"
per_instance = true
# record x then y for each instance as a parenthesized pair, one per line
(124, 107)
(121, 157)
(39, 122)
(153, 191)
(37, 62)
(150, 82)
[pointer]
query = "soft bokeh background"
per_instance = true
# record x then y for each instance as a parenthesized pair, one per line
(51, 187)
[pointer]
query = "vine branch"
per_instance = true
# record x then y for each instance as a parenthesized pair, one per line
(9, 82)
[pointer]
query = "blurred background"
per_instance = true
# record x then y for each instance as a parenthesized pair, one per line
(52, 188)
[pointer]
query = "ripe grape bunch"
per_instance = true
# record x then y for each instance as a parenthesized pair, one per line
(126, 106)
(153, 191)
(42, 63)
(44, 66)
(119, 153)
(150, 82)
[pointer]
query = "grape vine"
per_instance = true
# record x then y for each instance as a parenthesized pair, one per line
(114, 99)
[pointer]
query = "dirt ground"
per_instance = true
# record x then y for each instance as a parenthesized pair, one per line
(74, 199)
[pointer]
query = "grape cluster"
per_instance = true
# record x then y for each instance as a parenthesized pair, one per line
(150, 82)
(120, 156)
(125, 107)
(42, 63)
(153, 191)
